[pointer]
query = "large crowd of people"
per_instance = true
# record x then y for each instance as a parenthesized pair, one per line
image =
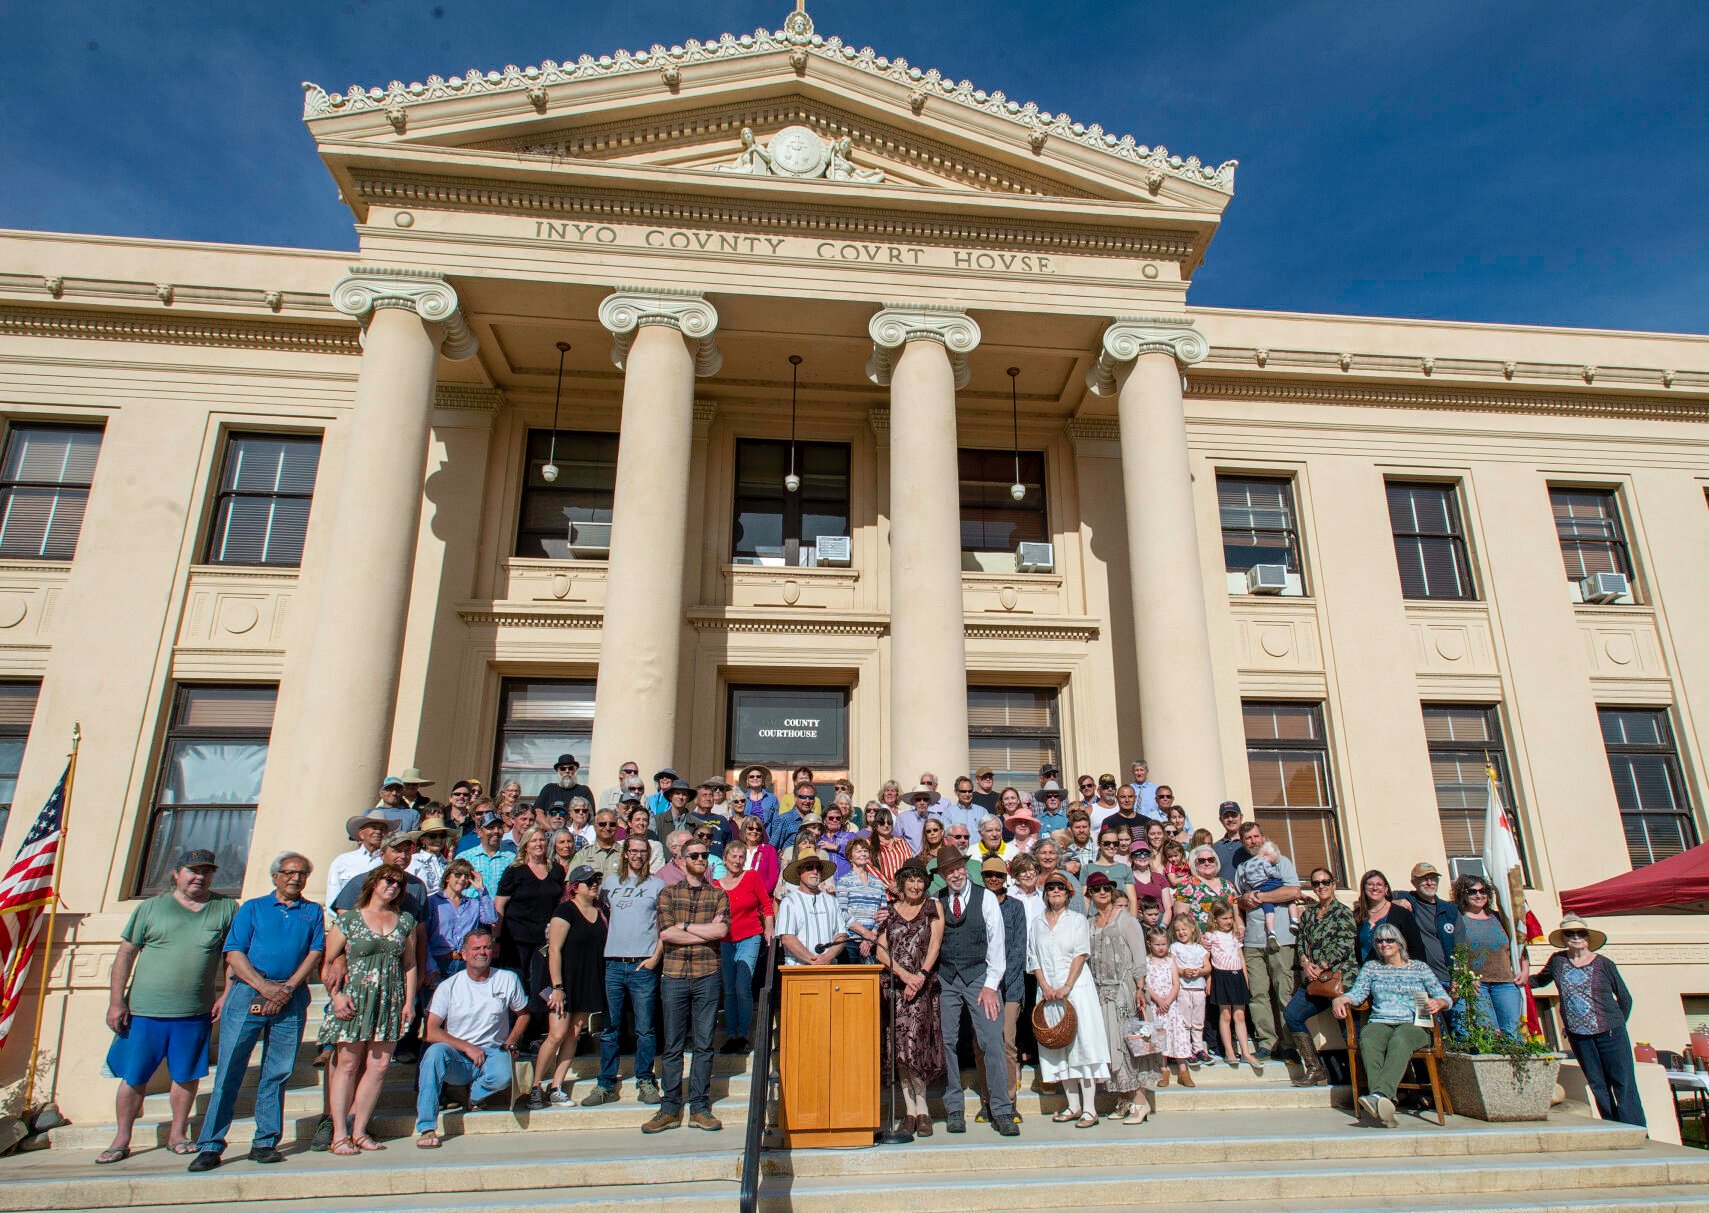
(1093, 934)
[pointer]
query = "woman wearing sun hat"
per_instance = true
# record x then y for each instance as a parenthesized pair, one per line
(1595, 1005)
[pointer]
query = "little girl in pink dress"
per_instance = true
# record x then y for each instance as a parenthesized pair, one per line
(1169, 1031)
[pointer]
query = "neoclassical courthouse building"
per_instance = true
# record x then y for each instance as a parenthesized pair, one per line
(277, 522)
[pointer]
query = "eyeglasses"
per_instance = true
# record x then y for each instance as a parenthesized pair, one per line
(605, 825)
(460, 795)
(1207, 859)
(1575, 934)
(389, 880)
(962, 836)
(1166, 796)
(1388, 943)
(1323, 884)
(698, 855)
(1477, 892)
(293, 874)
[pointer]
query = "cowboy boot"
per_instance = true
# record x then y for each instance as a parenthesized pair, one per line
(1311, 1066)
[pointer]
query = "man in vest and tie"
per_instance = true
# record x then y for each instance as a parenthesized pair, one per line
(970, 972)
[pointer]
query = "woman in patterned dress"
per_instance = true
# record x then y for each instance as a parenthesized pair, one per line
(1204, 887)
(908, 944)
(373, 1007)
(1118, 969)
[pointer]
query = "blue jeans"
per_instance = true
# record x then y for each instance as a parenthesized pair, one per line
(1606, 1060)
(442, 1064)
(1301, 1007)
(736, 963)
(279, 1036)
(627, 981)
(1500, 1004)
(691, 1012)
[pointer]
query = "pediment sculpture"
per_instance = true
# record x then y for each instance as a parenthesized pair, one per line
(799, 153)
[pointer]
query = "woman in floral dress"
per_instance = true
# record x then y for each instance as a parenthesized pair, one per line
(1118, 966)
(908, 944)
(372, 1008)
(1204, 887)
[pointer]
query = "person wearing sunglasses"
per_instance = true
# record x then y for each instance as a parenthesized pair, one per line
(1595, 1006)
(1392, 983)
(1324, 939)
(1487, 939)
(694, 918)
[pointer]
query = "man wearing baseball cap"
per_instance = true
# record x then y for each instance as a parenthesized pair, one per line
(1229, 849)
(394, 807)
(1438, 920)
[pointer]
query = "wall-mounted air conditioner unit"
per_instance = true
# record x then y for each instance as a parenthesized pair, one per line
(1267, 579)
(1605, 587)
(1035, 558)
(590, 540)
(832, 550)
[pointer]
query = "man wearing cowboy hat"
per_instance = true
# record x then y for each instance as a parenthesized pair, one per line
(367, 831)
(679, 799)
(1052, 816)
(809, 928)
(660, 800)
(564, 788)
(414, 781)
(393, 807)
(911, 821)
(971, 966)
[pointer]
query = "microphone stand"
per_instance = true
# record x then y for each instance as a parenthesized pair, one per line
(894, 1134)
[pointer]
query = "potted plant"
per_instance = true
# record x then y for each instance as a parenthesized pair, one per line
(1490, 1075)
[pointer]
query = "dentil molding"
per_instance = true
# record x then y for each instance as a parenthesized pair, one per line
(1128, 338)
(896, 325)
(425, 292)
(623, 312)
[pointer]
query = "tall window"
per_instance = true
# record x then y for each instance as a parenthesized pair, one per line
(210, 781)
(1460, 738)
(1014, 731)
(775, 526)
(1649, 785)
(261, 515)
(538, 720)
(44, 485)
(17, 709)
(1592, 539)
(991, 519)
(569, 517)
(1258, 525)
(1429, 541)
(1293, 790)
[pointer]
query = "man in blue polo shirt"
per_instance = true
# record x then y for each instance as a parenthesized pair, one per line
(273, 948)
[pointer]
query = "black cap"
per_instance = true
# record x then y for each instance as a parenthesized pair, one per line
(567, 760)
(490, 819)
(197, 859)
(1227, 807)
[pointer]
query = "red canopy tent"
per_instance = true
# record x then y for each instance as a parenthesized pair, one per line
(1676, 885)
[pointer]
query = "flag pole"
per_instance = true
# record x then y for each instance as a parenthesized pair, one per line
(52, 911)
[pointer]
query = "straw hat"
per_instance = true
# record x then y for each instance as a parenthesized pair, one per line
(1572, 922)
(792, 873)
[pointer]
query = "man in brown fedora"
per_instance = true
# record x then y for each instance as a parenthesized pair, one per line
(971, 964)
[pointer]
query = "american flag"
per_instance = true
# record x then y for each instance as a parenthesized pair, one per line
(26, 892)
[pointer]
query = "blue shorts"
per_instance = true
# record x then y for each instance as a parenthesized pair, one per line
(181, 1042)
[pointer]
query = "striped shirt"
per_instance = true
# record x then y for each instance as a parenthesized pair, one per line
(859, 901)
(811, 917)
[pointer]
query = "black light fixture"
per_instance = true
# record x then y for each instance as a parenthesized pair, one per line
(1017, 490)
(549, 473)
(792, 482)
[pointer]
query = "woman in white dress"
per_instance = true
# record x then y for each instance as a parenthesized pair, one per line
(1058, 948)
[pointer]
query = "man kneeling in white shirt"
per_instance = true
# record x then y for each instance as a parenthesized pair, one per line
(466, 1035)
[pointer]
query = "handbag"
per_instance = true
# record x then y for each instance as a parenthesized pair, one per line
(1327, 986)
(1058, 1035)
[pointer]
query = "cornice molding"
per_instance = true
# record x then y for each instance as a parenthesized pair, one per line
(1080, 632)
(624, 311)
(429, 192)
(177, 295)
(870, 626)
(1491, 370)
(1129, 337)
(520, 617)
(899, 323)
(467, 396)
(800, 46)
(879, 420)
(205, 331)
(1402, 396)
(366, 289)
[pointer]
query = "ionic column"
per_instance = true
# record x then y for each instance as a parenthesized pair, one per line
(1141, 362)
(662, 340)
(334, 724)
(921, 354)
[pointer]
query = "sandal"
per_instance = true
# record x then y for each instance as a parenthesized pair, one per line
(363, 1142)
(181, 1148)
(1087, 1120)
(428, 1140)
(1063, 1117)
(345, 1148)
(113, 1154)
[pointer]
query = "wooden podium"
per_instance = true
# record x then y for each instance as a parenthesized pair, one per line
(828, 1063)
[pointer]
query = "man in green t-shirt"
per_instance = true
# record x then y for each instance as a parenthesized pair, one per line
(163, 1001)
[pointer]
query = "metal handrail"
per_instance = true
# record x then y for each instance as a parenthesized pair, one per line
(759, 1089)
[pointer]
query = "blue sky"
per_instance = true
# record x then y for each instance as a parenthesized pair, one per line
(1526, 162)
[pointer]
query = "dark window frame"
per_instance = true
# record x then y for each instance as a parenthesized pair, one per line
(528, 543)
(1575, 545)
(791, 511)
(1048, 735)
(1290, 551)
(1636, 818)
(1494, 749)
(17, 731)
(1418, 536)
(59, 488)
(1034, 473)
(226, 494)
(1316, 745)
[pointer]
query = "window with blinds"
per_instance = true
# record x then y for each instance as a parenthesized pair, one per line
(1587, 522)
(1014, 731)
(1461, 737)
(582, 493)
(44, 485)
(261, 514)
(774, 526)
(538, 720)
(1429, 541)
(1258, 525)
(17, 710)
(1293, 788)
(210, 781)
(991, 519)
(1649, 785)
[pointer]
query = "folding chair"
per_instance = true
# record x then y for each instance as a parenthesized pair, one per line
(1430, 1055)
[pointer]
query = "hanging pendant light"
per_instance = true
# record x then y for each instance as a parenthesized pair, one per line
(549, 473)
(1017, 490)
(792, 482)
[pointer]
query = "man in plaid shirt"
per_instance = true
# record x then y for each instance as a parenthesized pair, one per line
(694, 915)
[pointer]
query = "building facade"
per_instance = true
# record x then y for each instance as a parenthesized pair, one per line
(277, 522)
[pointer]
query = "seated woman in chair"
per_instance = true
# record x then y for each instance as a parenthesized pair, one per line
(1392, 983)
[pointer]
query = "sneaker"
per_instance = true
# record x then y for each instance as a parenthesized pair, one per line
(560, 1098)
(663, 1120)
(955, 1122)
(705, 1120)
(207, 1160)
(266, 1155)
(536, 1098)
(1368, 1109)
(649, 1091)
(598, 1096)
(983, 1117)
(1385, 1111)
(730, 1047)
(1271, 945)
(1007, 1127)
(322, 1140)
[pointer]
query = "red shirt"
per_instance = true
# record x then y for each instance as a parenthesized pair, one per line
(750, 903)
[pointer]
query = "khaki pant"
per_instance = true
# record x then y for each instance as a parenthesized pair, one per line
(1011, 1018)
(1268, 973)
(1384, 1050)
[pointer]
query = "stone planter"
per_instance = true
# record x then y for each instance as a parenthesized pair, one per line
(1486, 1086)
